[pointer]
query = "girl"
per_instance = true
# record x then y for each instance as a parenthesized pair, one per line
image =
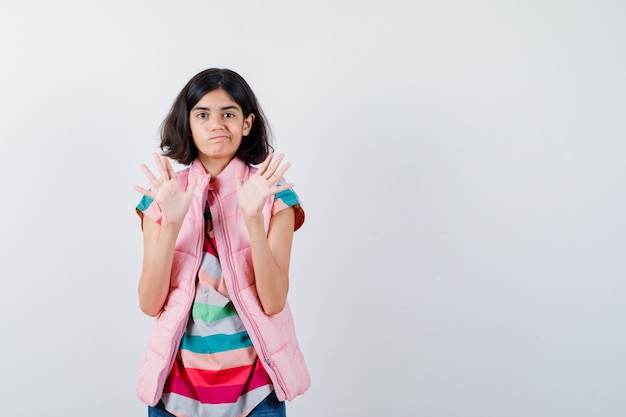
(217, 242)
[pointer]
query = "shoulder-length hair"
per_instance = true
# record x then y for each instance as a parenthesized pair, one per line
(176, 139)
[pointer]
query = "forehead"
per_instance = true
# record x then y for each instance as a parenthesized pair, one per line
(217, 99)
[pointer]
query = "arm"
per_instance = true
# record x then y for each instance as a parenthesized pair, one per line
(270, 258)
(160, 239)
(271, 252)
(158, 255)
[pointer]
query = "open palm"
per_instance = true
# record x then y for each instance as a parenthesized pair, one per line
(253, 193)
(167, 192)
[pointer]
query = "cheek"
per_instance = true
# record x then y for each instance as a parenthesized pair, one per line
(195, 130)
(195, 137)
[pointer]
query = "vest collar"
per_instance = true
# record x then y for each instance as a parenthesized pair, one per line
(225, 180)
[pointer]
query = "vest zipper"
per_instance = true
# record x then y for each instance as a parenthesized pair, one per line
(196, 267)
(183, 325)
(235, 283)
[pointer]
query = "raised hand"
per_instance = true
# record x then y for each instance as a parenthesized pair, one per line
(252, 194)
(167, 192)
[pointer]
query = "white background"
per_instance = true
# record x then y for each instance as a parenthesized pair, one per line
(462, 165)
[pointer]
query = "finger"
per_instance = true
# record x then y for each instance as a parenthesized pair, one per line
(191, 184)
(265, 164)
(144, 191)
(272, 169)
(168, 167)
(238, 178)
(278, 175)
(148, 173)
(282, 188)
(155, 183)
(160, 166)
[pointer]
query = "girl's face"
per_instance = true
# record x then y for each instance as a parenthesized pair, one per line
(218, 126)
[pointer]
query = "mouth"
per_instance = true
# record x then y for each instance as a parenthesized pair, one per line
(218, 138)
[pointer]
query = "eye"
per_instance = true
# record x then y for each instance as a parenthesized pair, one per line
(229, 115)
(202, 115)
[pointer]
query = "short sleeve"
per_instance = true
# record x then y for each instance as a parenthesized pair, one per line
(148, 207)
(286, 199)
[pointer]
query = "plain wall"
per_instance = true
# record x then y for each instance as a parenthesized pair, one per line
(462, 165)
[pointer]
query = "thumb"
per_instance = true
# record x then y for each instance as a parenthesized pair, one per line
(191, 184)
(238, 178)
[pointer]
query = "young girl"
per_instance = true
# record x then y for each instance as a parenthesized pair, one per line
(217, 243)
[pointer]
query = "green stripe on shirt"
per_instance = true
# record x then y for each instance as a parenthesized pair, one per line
(210, 313)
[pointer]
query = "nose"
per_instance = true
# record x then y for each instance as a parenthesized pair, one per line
(215, 122)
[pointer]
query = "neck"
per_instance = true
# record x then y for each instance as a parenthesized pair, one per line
(214, 166)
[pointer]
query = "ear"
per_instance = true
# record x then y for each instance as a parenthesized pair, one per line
(247, 124)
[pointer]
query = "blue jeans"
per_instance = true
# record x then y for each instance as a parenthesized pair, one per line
(269, 407)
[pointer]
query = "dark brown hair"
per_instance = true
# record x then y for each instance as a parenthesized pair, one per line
(176, 140)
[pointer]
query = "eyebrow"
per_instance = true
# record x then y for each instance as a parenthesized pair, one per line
(232, 107)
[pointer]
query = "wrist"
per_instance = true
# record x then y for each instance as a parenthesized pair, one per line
(252, 219)
(169, 224)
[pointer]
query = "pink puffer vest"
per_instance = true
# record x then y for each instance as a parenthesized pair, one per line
(273, 337)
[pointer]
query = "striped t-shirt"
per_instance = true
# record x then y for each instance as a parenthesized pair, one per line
(216, 371)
